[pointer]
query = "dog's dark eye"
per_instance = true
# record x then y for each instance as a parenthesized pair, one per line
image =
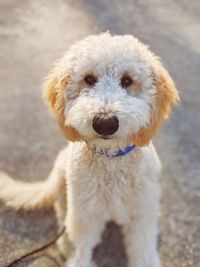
(126, 81)
(90, 79)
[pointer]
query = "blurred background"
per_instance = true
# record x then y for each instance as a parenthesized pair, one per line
(33, 34)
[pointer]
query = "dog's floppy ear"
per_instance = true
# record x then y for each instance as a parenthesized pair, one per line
(53, 91)
(166, 96)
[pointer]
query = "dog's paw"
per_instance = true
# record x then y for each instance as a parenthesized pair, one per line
(79, 263)
(65, 247)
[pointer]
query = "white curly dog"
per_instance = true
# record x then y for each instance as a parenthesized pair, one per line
(110, 95)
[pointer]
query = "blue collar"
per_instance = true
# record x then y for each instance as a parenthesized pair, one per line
(118, 153)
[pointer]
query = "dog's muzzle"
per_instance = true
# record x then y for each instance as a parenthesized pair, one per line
(105, 125)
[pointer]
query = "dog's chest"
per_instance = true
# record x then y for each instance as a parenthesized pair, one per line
(104, 184)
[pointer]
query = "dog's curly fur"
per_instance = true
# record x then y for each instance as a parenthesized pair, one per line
(99, 189)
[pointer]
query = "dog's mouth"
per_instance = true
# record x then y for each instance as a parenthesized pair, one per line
(105, 137)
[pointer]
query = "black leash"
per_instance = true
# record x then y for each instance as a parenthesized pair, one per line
(37, 250)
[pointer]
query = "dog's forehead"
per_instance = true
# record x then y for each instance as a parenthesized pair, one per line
(105, 51)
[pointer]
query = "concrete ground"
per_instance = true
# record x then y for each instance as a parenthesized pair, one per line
(33, 33)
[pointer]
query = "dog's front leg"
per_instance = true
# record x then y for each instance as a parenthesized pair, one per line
(84, 235)
(141, 239)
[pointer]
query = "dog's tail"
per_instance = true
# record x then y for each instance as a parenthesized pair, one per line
(21, 195)
(25, 195)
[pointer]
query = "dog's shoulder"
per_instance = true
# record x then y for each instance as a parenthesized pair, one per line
(150, 162)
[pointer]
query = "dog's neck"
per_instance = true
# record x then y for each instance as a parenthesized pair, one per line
(117, 153)
(112, 153)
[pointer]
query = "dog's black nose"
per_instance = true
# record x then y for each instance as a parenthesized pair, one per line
(105, 125)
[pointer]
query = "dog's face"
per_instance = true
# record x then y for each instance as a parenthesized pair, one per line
(110, 91)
